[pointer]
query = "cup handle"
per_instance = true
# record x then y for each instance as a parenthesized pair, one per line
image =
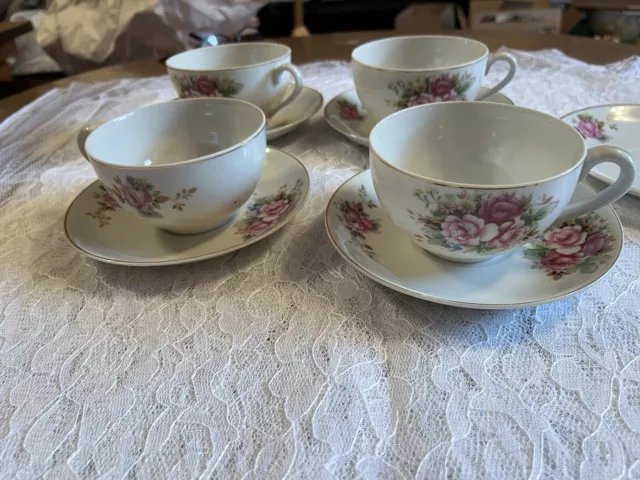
(595, 156)
(297, 77)
(513, 65)
(81, 138)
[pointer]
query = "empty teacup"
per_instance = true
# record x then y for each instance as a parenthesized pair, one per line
(254, 72)
(400, 72)
(186, 166)
(470, 180)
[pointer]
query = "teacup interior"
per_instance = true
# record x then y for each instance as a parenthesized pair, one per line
(419, 52)
(477, 143)
(223, 57)
(174, 132)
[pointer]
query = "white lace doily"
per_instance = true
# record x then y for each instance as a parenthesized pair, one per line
(281, 361)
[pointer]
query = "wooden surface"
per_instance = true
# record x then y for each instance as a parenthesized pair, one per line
(11, 30)
(339, 46)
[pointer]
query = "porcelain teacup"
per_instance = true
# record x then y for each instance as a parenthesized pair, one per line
(471, 180)
(253, 72)
(187, 166)
(400, 72)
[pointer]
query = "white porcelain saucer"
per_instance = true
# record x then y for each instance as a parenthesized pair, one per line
(298, 112)
(617, 125)
(541, 272)
(101, 229)
(346, 114)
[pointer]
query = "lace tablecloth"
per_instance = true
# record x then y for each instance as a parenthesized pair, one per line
(281, 361)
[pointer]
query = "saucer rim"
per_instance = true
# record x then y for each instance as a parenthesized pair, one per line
(364, 141)
(634, 191)
(455, 303)
(199, 258)
(278, 130)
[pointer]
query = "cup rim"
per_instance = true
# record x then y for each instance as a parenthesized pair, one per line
(413, 70)
(472, 186)
(191, 161)
(287, 52)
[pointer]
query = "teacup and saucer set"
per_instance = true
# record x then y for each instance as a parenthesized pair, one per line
(463, 204)
(254, 72)
(396, 73)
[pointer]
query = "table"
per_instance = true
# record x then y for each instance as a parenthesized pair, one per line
(339, 46)
(281, 360)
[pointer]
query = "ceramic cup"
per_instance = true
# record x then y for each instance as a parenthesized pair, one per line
(471, 180)
(186, 166)
(400, 72)
(254, 72)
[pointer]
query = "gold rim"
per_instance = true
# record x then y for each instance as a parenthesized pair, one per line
(220, 253)
(606, 105)
(455, 303)
(471, 186)
(227, 46)
(414, 70)
(245, 142)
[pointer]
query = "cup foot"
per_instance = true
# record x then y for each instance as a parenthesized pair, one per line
(198, 230)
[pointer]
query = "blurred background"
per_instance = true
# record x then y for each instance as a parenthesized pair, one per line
(42, 40)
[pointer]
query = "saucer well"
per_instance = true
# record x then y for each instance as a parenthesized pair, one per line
(97, 226)
(542, 271)
(305, 106)
(617, 125)
(346, 114)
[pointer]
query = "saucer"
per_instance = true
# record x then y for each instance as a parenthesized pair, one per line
(538, 273)
(105, 232)
(305, 106)
(346, 114)
(617, 125)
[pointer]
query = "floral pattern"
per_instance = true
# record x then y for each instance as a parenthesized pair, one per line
(592, 128)
(193, 87)
(349, 111)
(579, 245)
(268, 211)
(444, 88)
(480, 223)
(139, 194)
(357, 221)
(106, 203)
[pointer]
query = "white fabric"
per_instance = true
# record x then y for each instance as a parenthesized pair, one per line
(281, 361)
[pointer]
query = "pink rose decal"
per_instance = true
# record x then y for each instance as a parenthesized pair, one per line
(257, 226)
(589, 129)
(556, 262)
(356, 221)
(566, 240)
(205, 86)
(348, 111)
(137, 197)
(509, 233)
(501, 209)
(109, 200)
(595, 243)
(271, 211)
(442, 86)
(425, 98)
(468, 230)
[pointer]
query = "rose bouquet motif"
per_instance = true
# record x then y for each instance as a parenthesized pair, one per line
(482, 223)
(444, 88)
(357, 221)
(579, 245)
(349, 111)
(194, 87)
(592, 128)
(268, 211)
(106, 203)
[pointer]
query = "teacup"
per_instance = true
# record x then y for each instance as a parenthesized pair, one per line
(253, 72)
(186, 166)
(400, 72)
(471, 180)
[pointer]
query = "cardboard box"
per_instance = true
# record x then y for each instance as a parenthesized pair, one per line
(420, 18)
